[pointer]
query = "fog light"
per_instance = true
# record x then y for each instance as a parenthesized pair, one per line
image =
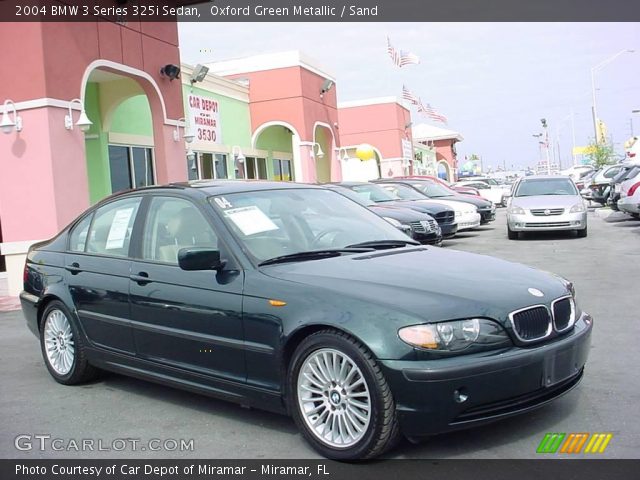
(576, 223)
(459, 396)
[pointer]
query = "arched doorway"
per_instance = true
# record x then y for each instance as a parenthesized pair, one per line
(131, 142)
(444, 170)
(280, 161)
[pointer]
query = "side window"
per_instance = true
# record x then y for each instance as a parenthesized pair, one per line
(173, 224)
(110, 232)
(79, 234)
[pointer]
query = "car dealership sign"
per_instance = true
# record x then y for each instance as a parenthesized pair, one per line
(204, 119)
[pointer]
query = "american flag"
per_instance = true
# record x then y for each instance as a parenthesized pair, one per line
(400, 58)
(410, 97)
(431, 112)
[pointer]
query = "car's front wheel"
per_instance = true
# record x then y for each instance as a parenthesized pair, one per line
(62, 347)
(582, 233)
(339, 398)
(511, 234)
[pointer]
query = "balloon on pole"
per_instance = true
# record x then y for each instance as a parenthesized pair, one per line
(365, 152)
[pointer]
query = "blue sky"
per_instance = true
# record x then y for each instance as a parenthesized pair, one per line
(494, 81)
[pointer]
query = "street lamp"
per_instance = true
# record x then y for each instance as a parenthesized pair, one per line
(595, 69)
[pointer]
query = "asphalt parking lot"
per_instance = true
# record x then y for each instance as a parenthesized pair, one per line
(605, 268)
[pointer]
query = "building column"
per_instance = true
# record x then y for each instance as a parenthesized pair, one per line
(43, 185)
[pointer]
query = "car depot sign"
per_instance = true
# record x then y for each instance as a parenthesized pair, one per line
(204, 119)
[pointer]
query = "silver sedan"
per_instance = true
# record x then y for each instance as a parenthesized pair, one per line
(541, 202)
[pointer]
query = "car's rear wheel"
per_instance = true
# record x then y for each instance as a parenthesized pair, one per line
(582, 233)
(339, 398)
(62, 347)
(512, 235)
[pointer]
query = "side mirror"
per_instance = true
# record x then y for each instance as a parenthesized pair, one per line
(199, 258)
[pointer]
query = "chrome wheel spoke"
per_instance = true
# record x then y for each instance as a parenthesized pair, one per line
(334, 398)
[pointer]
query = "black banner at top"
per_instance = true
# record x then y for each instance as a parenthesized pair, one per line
(320, 10)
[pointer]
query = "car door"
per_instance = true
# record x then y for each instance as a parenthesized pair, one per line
(186, 319)
(97, 273)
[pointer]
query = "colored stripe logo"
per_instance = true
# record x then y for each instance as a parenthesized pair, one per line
(573, 443)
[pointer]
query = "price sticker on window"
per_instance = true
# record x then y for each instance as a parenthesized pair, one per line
(250, 220)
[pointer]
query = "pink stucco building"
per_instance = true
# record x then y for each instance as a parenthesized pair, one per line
(444, 141)
(383, 123)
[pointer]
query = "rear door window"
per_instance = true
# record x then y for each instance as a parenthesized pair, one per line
(110, 232)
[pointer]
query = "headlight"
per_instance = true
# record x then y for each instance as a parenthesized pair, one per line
(393, 222)
(578, 208)
(456, 336)
(515, 210)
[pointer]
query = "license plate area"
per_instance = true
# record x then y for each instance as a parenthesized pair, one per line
(559, 367)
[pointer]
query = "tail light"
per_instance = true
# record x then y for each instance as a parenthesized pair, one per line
(633, 189)
(25, 274)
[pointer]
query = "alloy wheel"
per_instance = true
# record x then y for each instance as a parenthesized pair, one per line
(58, 342)
(334, 398)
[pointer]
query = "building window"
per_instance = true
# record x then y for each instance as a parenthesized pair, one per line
(213, 165)
(282, 170)
(131, 167)
(256, 168)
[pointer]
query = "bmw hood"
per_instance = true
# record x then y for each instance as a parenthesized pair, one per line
(429, 283)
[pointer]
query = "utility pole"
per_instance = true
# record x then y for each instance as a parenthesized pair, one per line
(546, 143)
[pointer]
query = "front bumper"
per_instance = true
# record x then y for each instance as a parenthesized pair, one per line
(468, 221)
(529, 222)
(627, 204)
(432, 238)
(495, 385)
(448, 229)
(487, 214)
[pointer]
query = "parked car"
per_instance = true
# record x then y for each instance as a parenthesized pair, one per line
(545, 202)
(576, 172)
(435, 191)
(630, 200)
(494, 195)
(445, 216)
(467, 216)
(600, 187)
(307, 304)
(418, 225)
(454, 188)
(625, 177)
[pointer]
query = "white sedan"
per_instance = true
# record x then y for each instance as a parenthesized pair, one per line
(488, 189)
(467, 216)
(630, 202)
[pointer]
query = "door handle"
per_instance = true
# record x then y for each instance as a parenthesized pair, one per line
(74, 268)
(142, 278)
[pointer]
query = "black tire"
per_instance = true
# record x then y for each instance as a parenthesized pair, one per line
(582, 233)
(635, 215)
(383, 430)
(512, 235)
(80, 371)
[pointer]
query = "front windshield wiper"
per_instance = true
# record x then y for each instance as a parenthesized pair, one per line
(383, 244)
(314, 255)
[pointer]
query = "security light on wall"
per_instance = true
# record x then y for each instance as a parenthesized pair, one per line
(326, 86)
(237, 154)
(199, 72)
(191, 157)
(7, 124)
(315, 154)
(170, 71)
(83, 123)
(343, 154)
(187, 133)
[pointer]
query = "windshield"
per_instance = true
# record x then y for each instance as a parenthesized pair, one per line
(432, 189)
(273, 223)
(546, 186)
(373, 193)
(403, 192)
(363, 200)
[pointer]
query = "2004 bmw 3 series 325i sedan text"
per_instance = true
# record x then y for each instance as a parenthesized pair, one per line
(295, 299)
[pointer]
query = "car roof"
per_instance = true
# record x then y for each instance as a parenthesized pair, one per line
(544, 177)
(221, 187)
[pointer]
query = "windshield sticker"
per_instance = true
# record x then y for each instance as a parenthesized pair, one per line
(223, 202)
(119, 229)
(250, 220)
